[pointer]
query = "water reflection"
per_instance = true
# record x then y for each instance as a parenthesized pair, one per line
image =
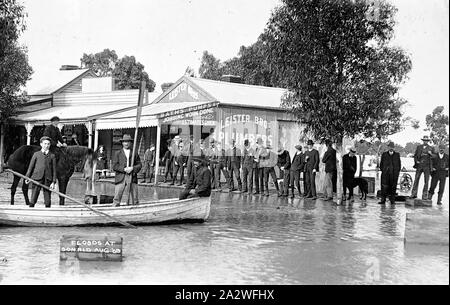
(247, 240)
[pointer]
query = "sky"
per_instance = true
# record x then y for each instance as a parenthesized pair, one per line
(167, 36)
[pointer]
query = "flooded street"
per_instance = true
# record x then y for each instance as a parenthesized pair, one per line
(247, 240)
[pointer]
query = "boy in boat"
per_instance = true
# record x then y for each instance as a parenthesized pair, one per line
(126, 174)
(42, 168)
(199, 182)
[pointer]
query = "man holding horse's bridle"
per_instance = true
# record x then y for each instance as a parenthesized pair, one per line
(52, 131)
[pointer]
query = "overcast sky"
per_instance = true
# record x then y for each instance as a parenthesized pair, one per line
(166, 36)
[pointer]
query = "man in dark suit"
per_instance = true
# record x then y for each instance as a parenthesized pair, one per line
(234, 165)
(439, 173)
(248, 163)
(179, 163)
(42, 168)
(126, 173)
(422, 164)
(349, 169)
(52, 131)
(297, 166)
(284, 164)
(311, 168)
(199, 182)
(390, 166)
(329, 158)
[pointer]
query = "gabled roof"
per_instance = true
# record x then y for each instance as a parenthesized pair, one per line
(49, 82)
(227, 93)
(241, 94)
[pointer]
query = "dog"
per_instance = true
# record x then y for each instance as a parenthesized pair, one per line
(363, 187)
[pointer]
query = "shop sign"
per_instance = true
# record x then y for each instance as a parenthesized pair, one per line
(207, 114)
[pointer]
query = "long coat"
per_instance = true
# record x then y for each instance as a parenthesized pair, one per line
(329, 158)
(313, 160)
(42, 166)
(298, 162)
(390, 167)
(119, 162)
(440, 165)
(284, 160)
(200, 180)
(349, 166)
(423, 156)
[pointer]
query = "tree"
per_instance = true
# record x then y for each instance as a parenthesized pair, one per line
(342, 75)
(410, 148)
(130, 73)
(189, 72)
(437, 124)
(14, 68)
(127, 71)
(102, 63)
(210, 67)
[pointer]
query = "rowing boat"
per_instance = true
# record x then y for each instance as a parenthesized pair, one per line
(160, 211)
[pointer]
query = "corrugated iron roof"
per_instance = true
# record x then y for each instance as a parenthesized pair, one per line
(48, 82)
(241, 94)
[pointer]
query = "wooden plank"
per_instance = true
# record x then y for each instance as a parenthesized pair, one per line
(418, 202)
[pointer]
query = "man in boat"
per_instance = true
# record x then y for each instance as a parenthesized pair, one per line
(126, 173)
(199, 182)
(42, 168)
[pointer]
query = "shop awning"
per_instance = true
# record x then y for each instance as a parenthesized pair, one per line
(150, 116)
(68, 114)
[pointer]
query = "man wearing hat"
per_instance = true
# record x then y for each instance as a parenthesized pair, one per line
(284, 164)
(234, 165)
(297, 167)
(439, 173)
(390, 166)
(268, 165)
(349, 169)
(52, 131)
(261, 155)
(126, 173)
(149, 164)
(248, 163)
(311, 168)
(199, 182)
(42, 168)
(422, 164)
(329, 158)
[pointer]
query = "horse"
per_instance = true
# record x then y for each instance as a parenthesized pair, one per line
(66, 159)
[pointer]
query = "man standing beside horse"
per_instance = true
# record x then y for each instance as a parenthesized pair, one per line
(126, 173)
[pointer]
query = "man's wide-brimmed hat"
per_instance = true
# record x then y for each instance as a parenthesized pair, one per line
(426, 138)
(442, 146)
(391, 145)
(55, 118)
(126, 138)
(310, 142)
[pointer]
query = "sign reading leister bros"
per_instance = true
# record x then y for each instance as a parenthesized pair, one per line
(107, 248)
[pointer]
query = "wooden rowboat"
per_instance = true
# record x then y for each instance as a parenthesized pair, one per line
(160, 211)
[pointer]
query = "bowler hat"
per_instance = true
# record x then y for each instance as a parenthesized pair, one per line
(126, 138)
(310, 142)
(391, 145)
(426, 138)
(55, 118)
(299, 147)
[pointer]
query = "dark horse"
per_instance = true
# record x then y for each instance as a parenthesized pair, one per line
(66, 158)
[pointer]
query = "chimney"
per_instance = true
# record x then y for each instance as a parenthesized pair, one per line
(232, 79)
(166, 86)
(68, 67)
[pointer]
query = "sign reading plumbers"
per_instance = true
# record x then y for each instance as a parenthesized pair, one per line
(104, 248)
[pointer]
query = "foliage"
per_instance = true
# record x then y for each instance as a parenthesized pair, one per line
(335, 60)
(127, 72)
(14, 68)
(437, 124)
(189, 72)
(210, 67)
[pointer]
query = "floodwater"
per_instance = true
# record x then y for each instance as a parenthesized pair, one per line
(247, 240)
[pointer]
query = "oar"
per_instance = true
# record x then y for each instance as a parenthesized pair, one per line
(126, 224)
(138, 119)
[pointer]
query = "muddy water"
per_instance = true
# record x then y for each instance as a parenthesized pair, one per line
(247, 240)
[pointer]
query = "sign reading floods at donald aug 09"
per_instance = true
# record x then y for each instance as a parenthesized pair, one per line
(91, 247)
